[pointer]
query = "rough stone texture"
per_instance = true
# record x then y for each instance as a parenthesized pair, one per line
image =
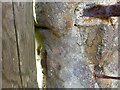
(75, 47)
(18, 58)
(119, 49)
(53, 16)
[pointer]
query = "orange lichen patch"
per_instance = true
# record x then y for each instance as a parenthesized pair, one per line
(91, 47)
(89, 19)
(106, 57)
(68, 22)
(55, 33)
(105, 20)
(91, 55)
(104, 83)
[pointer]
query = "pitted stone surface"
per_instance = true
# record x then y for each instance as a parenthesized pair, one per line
(75, 45)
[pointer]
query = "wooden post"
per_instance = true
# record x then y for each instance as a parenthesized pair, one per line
(19, 70)
(1, 46)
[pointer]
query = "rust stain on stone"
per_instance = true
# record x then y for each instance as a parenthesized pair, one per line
(68, 22)
(91, 54)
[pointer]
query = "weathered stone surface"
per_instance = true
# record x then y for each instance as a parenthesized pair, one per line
(119, 49)
(54, 16)
(74, 48)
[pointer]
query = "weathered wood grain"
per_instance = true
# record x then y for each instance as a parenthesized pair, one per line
(0, 46)
(19, 68)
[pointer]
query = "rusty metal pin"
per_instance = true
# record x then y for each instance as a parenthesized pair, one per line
(96, 75)
(102, 11)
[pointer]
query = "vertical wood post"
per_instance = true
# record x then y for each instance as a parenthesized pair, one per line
(18, 56)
